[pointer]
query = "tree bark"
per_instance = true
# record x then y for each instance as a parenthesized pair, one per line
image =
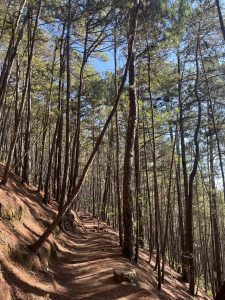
(128, 242)
(67, 143)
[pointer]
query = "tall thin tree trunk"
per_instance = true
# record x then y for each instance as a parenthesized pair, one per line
(183, 160)
(67, 143)
(155, 179)
(151, 239)
(128, 242)
(214, 217)
(117, 148)
(46, 122)
(26, 159)
(189, 208)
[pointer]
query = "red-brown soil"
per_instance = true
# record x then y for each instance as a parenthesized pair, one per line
(85, 259)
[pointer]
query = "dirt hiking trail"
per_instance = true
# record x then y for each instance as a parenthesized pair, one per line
(86, 269)
(82, 263)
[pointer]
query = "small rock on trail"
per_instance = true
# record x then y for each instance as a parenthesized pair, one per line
(126, 275)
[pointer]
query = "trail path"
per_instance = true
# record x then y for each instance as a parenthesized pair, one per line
(86, 257)
(86, 268)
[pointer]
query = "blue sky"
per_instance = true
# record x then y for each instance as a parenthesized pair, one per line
(101, 66)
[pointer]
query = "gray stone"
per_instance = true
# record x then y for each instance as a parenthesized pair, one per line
(128, 275)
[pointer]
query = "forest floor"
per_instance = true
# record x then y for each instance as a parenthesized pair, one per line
(72, 265)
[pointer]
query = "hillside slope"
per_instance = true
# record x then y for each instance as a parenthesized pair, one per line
(72, 265)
